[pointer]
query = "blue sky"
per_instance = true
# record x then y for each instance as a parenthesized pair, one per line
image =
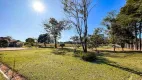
(19, 20)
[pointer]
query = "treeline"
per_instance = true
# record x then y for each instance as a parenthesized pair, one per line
(125, 28)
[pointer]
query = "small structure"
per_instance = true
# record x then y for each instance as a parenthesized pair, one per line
(8, 42)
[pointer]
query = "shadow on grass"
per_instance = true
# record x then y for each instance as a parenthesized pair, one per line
(46, 47)
(116, 53)
(114, 64)
(130, 52)
(102, 60)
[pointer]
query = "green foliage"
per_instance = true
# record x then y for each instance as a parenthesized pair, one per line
(44, 38)
(76, 41)
(78, 53)
(96, 39)
(128, 19)
(4, 43)
(89, 57)
(54, 28)
(19, 44)
(85, 56)
(119, 29)
(30, 42)
(78, 12)
(62, 45)
(110, 22)
(27, 44)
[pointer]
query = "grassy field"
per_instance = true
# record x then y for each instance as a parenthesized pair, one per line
(42, 64)
(1, 77)
(129, 59)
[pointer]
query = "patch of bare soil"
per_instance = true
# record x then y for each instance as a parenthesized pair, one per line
(9, 49)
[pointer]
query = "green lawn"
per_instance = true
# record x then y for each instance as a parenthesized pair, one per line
(41, 64)
(128, 59)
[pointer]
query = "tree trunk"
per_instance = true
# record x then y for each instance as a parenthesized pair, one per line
(81, 41)
(140, 42)
(86, 26)
(85, 41)
(114, 48)
(122, 49)
(55, 42)
(129, 45)
(136, 37)
(140, 36)
(44, 44)
(132, 45)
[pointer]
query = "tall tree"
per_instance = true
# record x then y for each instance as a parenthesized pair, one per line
(44, 38)
(30, 41)
(78, 11)
(54, 28)
(133, 11)
(76, 41)
(110, 22)
(96, 39)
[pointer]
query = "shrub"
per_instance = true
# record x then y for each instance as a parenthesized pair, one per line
(19, 44)
(78, 46)
(4, 43)
(89, 57)
(40, 46)
(62, 45)
(78, 53)
(27, 44)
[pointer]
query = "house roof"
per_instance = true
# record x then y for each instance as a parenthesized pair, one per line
(4, 38)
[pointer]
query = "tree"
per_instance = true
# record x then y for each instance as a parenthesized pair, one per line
(4, 43)
(76, 41)
(44, 38)
(133, 12)
(96, 39)
(110, 22)
(54, 28)
(19, 43)
(30, 41)
(78, 12)
(119, 31)
(62, 45)
(124, 36)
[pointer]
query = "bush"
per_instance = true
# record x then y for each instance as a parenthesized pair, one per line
(19, 44)
(27, 44)
(78, 53)
(78, 46)
(40, 46)
(4, 43)
(89, 57)
(62, 45)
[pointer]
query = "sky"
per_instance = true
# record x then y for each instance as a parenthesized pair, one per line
(20, 20)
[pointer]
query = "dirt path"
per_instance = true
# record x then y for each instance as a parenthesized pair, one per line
(9, 49)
